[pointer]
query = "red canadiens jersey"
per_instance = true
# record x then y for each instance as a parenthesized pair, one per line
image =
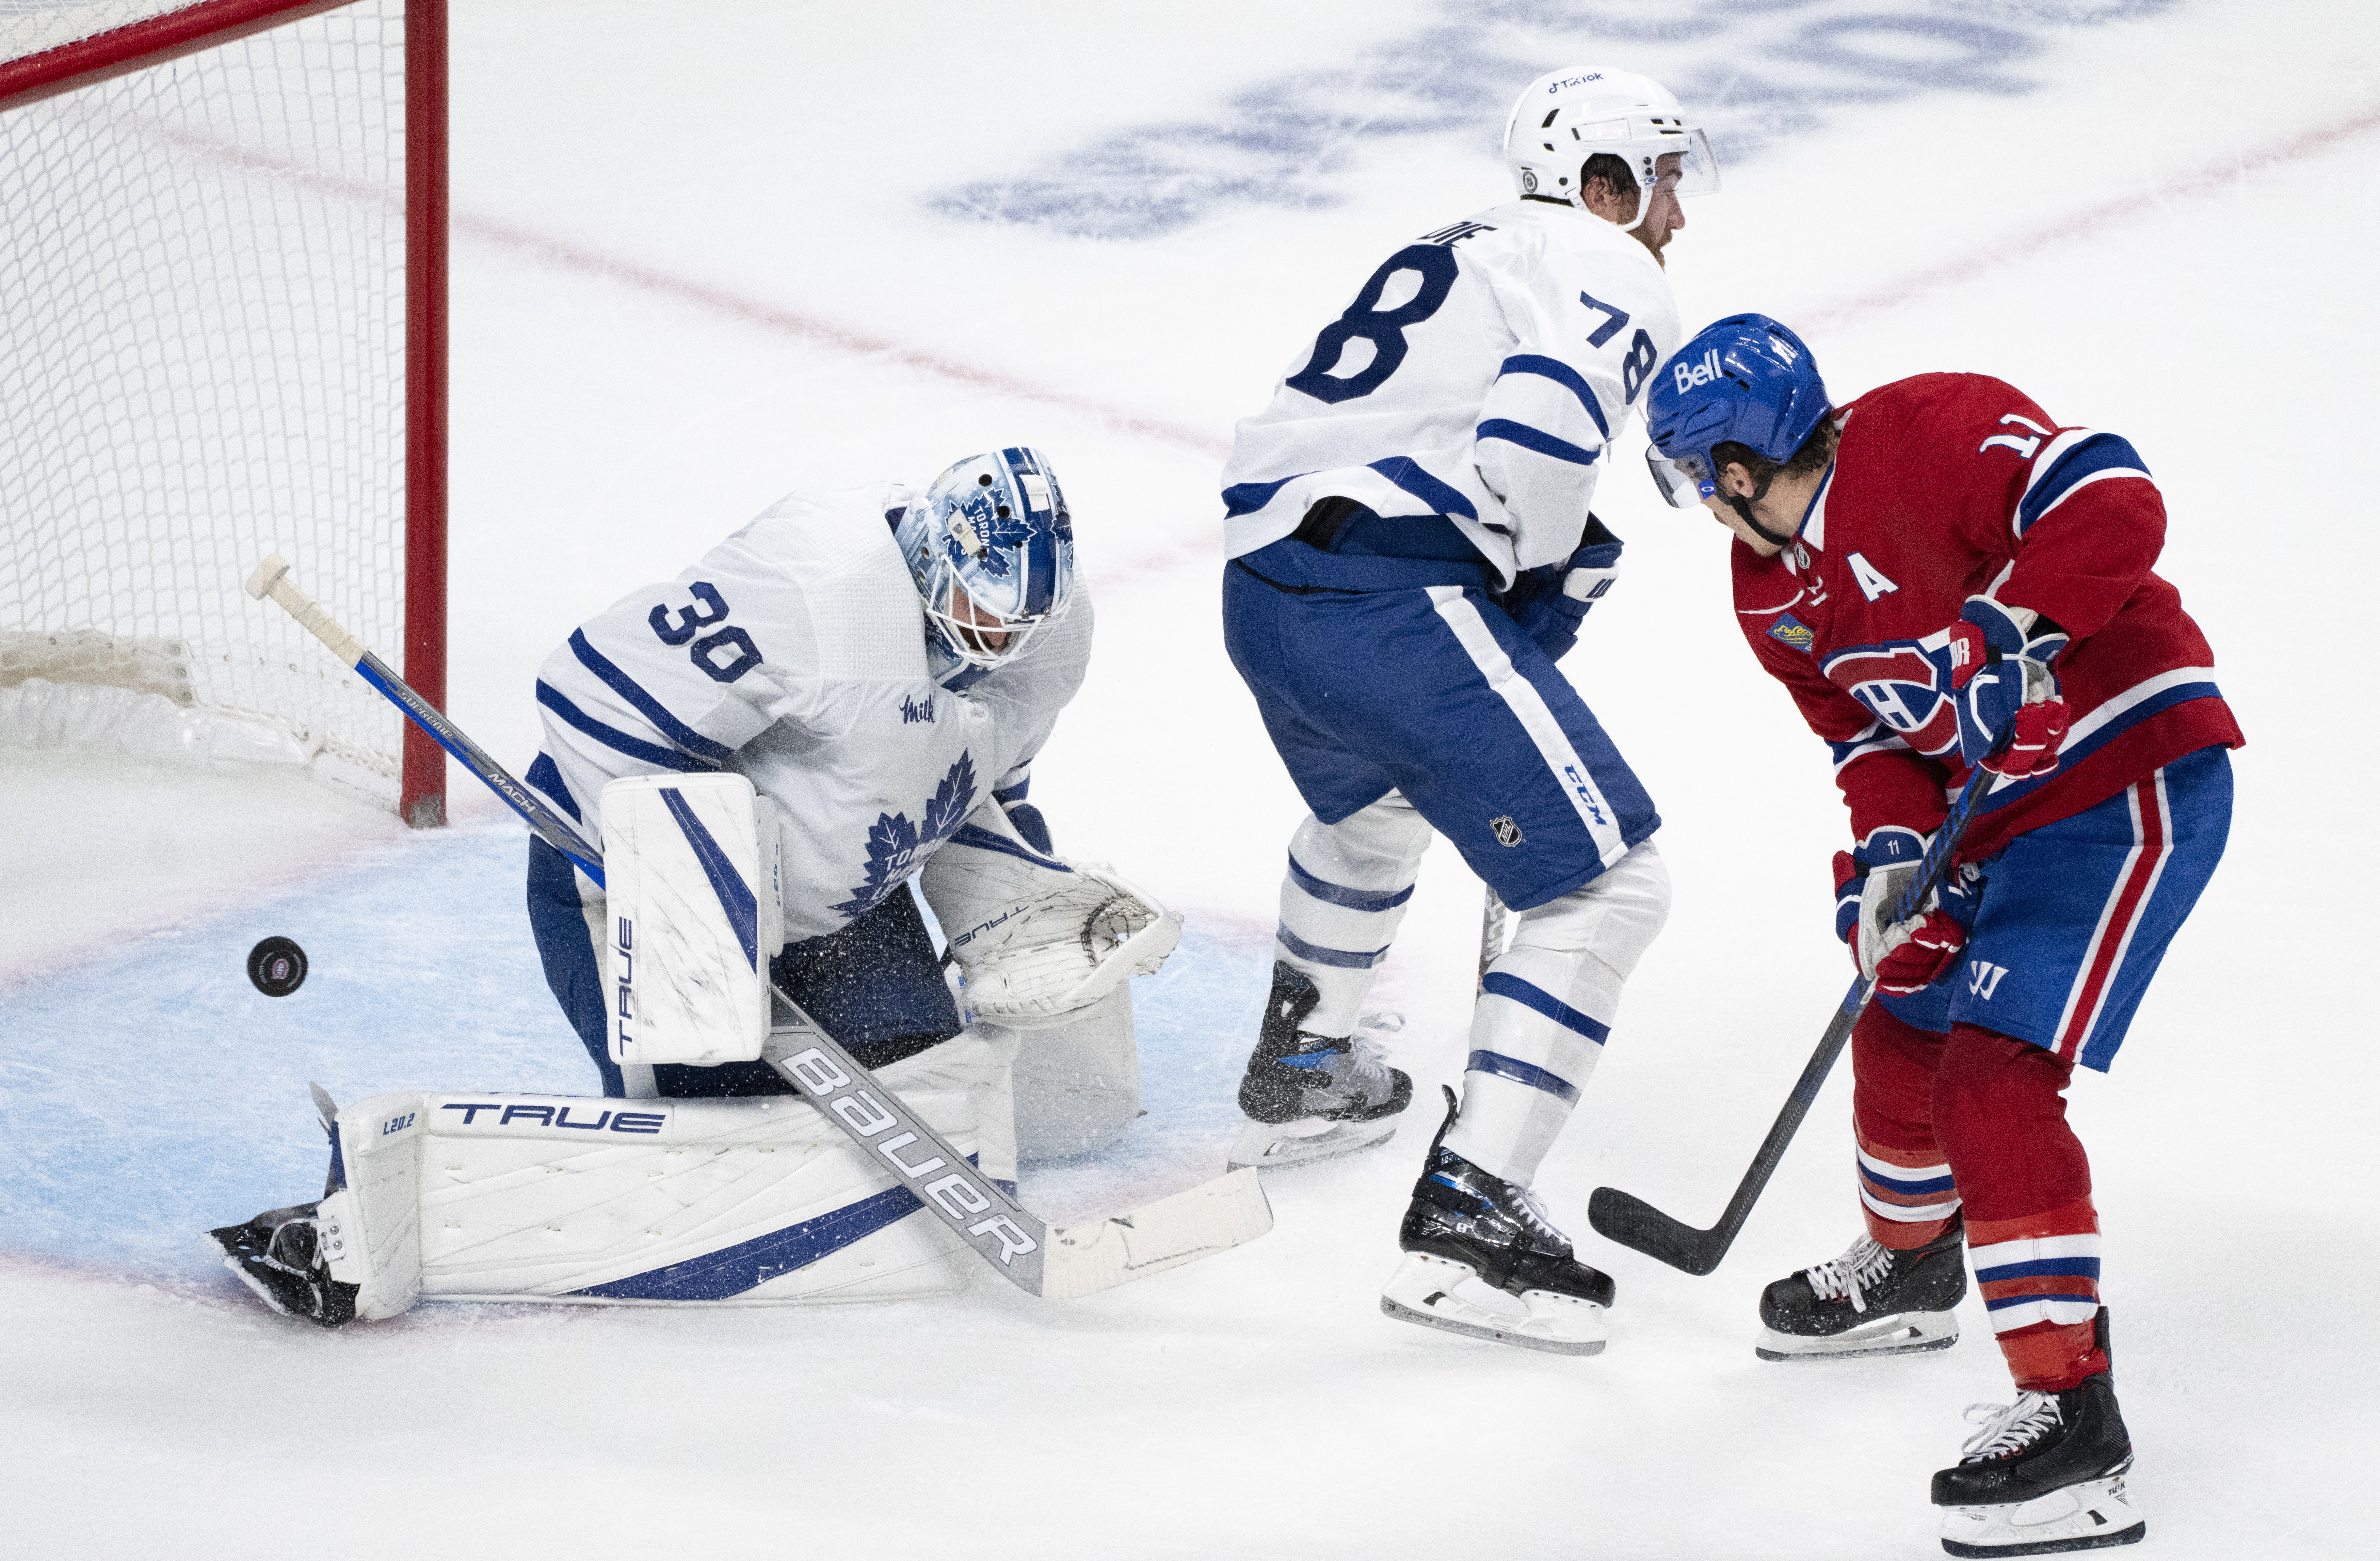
(1947, 487)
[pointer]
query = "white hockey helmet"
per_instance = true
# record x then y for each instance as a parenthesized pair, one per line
(995, 526)
(1569, 115)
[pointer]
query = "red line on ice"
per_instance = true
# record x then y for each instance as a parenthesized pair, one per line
(2208, 179)
(786, 322)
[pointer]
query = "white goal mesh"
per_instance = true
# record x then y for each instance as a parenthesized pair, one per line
(203, 331)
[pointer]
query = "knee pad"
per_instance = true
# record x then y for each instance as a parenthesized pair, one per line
(1374, 846)
(1613, 918)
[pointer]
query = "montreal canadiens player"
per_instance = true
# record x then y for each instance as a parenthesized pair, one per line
(1410, 551)
(881, 663)
(1938, 564)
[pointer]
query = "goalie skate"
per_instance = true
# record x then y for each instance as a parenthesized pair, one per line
(278, 1255)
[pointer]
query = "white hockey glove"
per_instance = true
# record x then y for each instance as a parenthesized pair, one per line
(1040, 939)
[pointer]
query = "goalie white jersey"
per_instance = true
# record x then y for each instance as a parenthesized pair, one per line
(1480, 373)
(795, 653)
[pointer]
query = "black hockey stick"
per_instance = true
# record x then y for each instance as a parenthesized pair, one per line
(1629, 1219)
(1044, 1259)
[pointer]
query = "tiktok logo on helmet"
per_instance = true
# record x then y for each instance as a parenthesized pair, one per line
(991, 548)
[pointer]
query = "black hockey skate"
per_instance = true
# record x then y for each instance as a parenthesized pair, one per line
(1872, 1301)
(278, 1255)
(2043, 1475)
(1308, 1097)
(1482, 1259)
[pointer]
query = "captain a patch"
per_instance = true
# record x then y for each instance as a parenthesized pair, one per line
(1794, 632)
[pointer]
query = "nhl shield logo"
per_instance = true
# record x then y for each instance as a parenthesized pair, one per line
(1507, 832)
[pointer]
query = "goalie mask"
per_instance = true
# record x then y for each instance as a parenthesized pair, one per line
(991, 548)
(1566, 116)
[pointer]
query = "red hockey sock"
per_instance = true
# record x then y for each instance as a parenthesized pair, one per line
(1904, 1178)
(2000, 1112)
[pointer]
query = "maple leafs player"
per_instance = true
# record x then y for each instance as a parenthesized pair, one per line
(1936, 564)
(1412, 549)
(883, 664)
(795, 653)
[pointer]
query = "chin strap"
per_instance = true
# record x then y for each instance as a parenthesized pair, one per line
(1744, 509)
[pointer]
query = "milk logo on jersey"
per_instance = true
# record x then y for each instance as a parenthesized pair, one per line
(1901, 683)
(912, 711)
(897, 847)
(1701, 371)
(1796, 633)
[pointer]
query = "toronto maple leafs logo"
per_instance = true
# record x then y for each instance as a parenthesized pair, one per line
(897, 847)
(994, 527)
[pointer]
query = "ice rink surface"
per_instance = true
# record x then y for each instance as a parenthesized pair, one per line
(705, 255)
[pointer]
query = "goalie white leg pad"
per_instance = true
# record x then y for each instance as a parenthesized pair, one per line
(1078, 1084)
(540, 1198)
(571, 1198)
(1439, 1293)
(1040, 939)
(694, 912)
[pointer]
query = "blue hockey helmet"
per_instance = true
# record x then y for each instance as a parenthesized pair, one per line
(1747, 379)
(995, 528)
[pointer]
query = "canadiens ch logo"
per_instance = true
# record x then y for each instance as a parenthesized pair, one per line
(1507, 832)
(1794, 632)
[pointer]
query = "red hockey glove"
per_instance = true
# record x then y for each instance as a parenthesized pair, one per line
(2001, 677)
(1919, 953)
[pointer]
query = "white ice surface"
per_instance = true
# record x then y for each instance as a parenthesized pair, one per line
(696, 266)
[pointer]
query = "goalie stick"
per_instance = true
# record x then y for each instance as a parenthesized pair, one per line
(1629, 1219)
(1053, 1262)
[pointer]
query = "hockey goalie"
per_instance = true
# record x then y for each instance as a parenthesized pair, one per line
(841, 701)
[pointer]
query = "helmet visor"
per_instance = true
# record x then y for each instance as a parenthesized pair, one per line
(1698, 170)
(1684, 481)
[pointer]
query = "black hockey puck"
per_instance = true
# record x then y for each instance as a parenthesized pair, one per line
(277, 966)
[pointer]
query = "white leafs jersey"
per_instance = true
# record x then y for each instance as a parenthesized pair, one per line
(795, 653)
(1480, 373)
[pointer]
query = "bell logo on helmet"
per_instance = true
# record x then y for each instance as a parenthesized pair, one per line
(1701, 372)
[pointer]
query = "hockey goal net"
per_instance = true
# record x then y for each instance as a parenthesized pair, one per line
(223, 330)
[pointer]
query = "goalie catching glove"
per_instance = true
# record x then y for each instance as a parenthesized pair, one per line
(1039, 938)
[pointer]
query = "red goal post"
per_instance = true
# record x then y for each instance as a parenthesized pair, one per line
(225, 334)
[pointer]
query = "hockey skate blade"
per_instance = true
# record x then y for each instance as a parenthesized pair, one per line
(1274, 1146)
(1211, 1217)
(2091, 1515)
(1901, 1333)
(1436, 1293)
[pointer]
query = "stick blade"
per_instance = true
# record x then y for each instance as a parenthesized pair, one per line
(1211, 1217)
(1634, 1224)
